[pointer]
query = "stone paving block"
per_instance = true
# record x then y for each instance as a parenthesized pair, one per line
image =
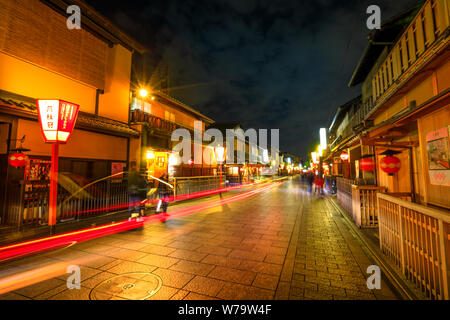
(261, 267)
(214, 250)
(95, 280)
(331, 290)
(271, 250)
(126, 254)
(173, 278)
(233, 275)
(240, 292)
(74, 294)
(315, 295)
(196, 296)
(184, 245)
(165, 293)
(304, 285)
(188, 255)
(297, 293)
(246, 255)
(158, 261)
(197, 268)
(128, 266)
(265, 281)
(222, 261)
(40, 287)
(273, 258)
(282, 292)
(157, 249)
(180, 295)
(205, 286)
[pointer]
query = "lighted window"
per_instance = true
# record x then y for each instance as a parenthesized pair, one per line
(169, 116)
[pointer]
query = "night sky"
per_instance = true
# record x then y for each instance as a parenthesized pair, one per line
(264, 63)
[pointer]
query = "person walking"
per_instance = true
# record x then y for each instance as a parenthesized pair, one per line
(137, 191)
(310, 181)
(319, 182)
(163, 194)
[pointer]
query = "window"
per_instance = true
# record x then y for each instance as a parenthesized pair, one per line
(139, 104)
(169, 116)
(424, 30)
(379, 83)
(407, 49)
(400, 51)
(414, 31)
(392, 69)
(375, 85)
(434, 15)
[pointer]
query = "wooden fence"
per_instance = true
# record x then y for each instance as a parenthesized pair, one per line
(417, 238)
(30, 206)
(364, 205)
(344, 193)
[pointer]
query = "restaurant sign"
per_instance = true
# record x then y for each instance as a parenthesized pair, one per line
(438, 150)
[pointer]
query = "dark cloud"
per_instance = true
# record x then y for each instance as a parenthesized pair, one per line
(268, 64)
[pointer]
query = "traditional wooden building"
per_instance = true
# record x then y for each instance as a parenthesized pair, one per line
(41, 58)
(397, 141)
(156, 116)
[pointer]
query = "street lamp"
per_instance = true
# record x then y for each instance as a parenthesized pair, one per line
(57, 119)
(220, 155)
(143, 93)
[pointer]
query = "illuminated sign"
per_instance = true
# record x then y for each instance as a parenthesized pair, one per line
(323, 138)
(57, 119)
(315, 157)
(344, 156)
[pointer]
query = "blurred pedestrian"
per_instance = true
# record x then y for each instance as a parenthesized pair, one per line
(163, 193)
(137, 190)
(319, 182)
(310, 181)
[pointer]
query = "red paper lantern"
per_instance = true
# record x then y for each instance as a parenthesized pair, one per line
(390, 165)
(17, 160)
(367, 164)
(344, 156)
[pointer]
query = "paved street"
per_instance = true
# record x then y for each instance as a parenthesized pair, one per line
(279, 244)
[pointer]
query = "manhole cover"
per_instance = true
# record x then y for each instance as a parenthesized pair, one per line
(129, 286)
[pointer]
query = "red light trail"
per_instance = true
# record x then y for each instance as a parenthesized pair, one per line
(53, 242)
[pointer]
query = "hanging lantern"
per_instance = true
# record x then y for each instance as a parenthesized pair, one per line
(367, 164)
(390, 164)
(17, 160)
(344, 156)
(57, 119)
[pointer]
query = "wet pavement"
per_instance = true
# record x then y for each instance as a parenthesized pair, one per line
(279, 244)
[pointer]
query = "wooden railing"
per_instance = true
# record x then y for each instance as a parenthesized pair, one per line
(29, 206)
(189, 185)
(344, 193)
(417, 238)
(153, 121)
(364, 205)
